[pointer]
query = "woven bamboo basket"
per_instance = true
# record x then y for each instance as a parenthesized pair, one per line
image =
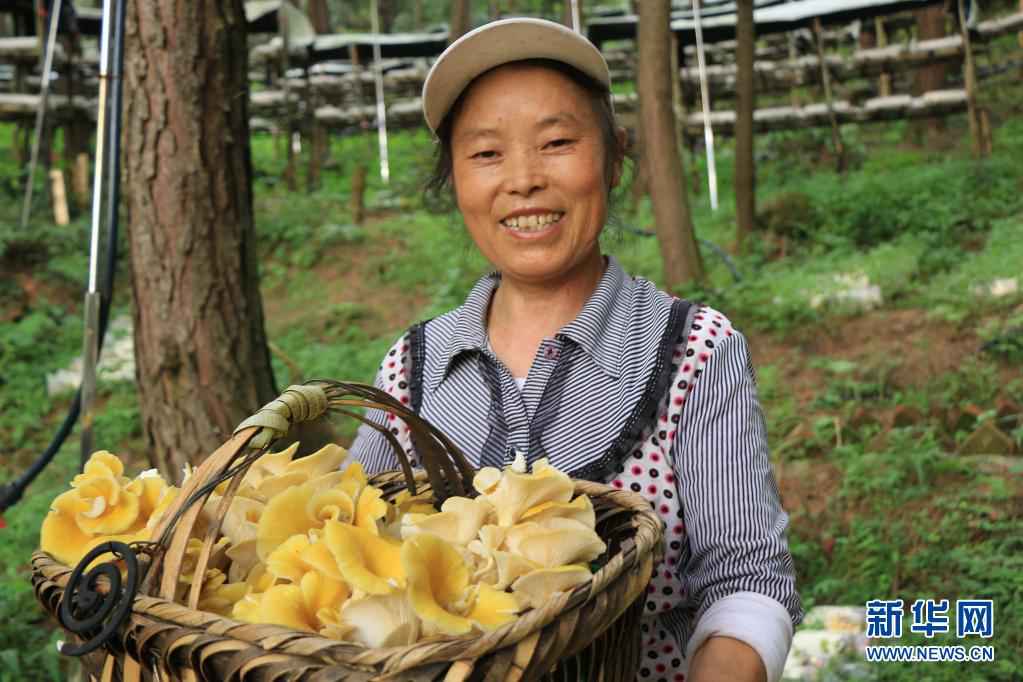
(121, 618)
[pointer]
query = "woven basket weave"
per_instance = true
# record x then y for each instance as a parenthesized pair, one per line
(590, 633)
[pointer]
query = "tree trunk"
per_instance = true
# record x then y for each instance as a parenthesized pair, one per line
(461, 19)
(388, 12)
(319, 15)
(745, 104)
(417, 14)
(200, 346)
(930, 24)
(679, 253)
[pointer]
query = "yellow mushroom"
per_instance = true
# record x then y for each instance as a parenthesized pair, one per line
(293, 605)
(494, 566)
(486, 480)
(370, 508)
(437, 583)
(554, 542)
(580, 509)
(517, 493)
(241, 520)
(219, 596)
(325, 460)
(367, 562)
(298, 510)
(60, 535)
(493, 608)
(458, 522)
(286, 560)
(406, 503)
(537, 588)
(381, 620)
(244, 559)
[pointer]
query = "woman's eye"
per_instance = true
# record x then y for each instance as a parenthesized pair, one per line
(485, 154)
(560, 142)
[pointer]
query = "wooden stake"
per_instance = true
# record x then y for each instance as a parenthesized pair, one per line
(59, 194)
(884, 82)
(836, 135)
(970, 76)
(80, 180)
(358, 200)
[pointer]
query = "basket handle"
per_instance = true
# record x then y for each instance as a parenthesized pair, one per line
(446, 466)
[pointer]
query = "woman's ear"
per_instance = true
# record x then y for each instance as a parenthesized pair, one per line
(622, 138)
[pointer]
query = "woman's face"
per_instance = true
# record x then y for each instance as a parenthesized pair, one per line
(528, 171)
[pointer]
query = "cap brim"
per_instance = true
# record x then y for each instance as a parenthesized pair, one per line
(501, 42)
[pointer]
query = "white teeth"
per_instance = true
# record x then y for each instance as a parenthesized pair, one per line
(532, 223)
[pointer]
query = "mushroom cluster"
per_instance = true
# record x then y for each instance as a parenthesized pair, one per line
(312, 545)
(103, 505)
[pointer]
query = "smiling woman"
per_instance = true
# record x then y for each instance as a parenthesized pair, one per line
(560, 354)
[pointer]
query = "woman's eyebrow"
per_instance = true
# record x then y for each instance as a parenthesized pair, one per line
(471, 134)
(556, 119)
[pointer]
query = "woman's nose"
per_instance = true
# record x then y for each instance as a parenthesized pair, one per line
(525, 174)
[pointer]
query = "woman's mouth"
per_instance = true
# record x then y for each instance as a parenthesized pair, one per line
(532, 223)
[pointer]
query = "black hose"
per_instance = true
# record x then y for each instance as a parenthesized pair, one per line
(725, 258)
(11, 493)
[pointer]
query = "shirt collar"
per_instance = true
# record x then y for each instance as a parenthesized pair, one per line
(605, 311)
(470, 331)
(601, 324)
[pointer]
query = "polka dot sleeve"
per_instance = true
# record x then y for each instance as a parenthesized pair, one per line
(649, 471)
(371, 447)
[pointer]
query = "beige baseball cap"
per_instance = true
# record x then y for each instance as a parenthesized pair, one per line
(500, 42)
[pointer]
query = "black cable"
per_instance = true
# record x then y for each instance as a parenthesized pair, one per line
(11, 493)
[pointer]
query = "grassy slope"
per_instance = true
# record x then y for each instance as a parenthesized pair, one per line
(903, 520)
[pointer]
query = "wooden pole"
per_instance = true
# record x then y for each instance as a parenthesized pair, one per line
(312, 177)
(289, 125)
(793, 55)
(708, 130)
(745, 105)
(884, 81)
(59, 194)
(836, 134)
(980, 148)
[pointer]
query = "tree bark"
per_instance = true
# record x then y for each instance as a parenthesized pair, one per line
(745, 104)
(461, 19)
(201, 354)
(319, 15)
(388, 13)
(930, 24)
(679, 253)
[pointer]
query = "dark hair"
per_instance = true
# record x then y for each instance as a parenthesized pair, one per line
(439, 186)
